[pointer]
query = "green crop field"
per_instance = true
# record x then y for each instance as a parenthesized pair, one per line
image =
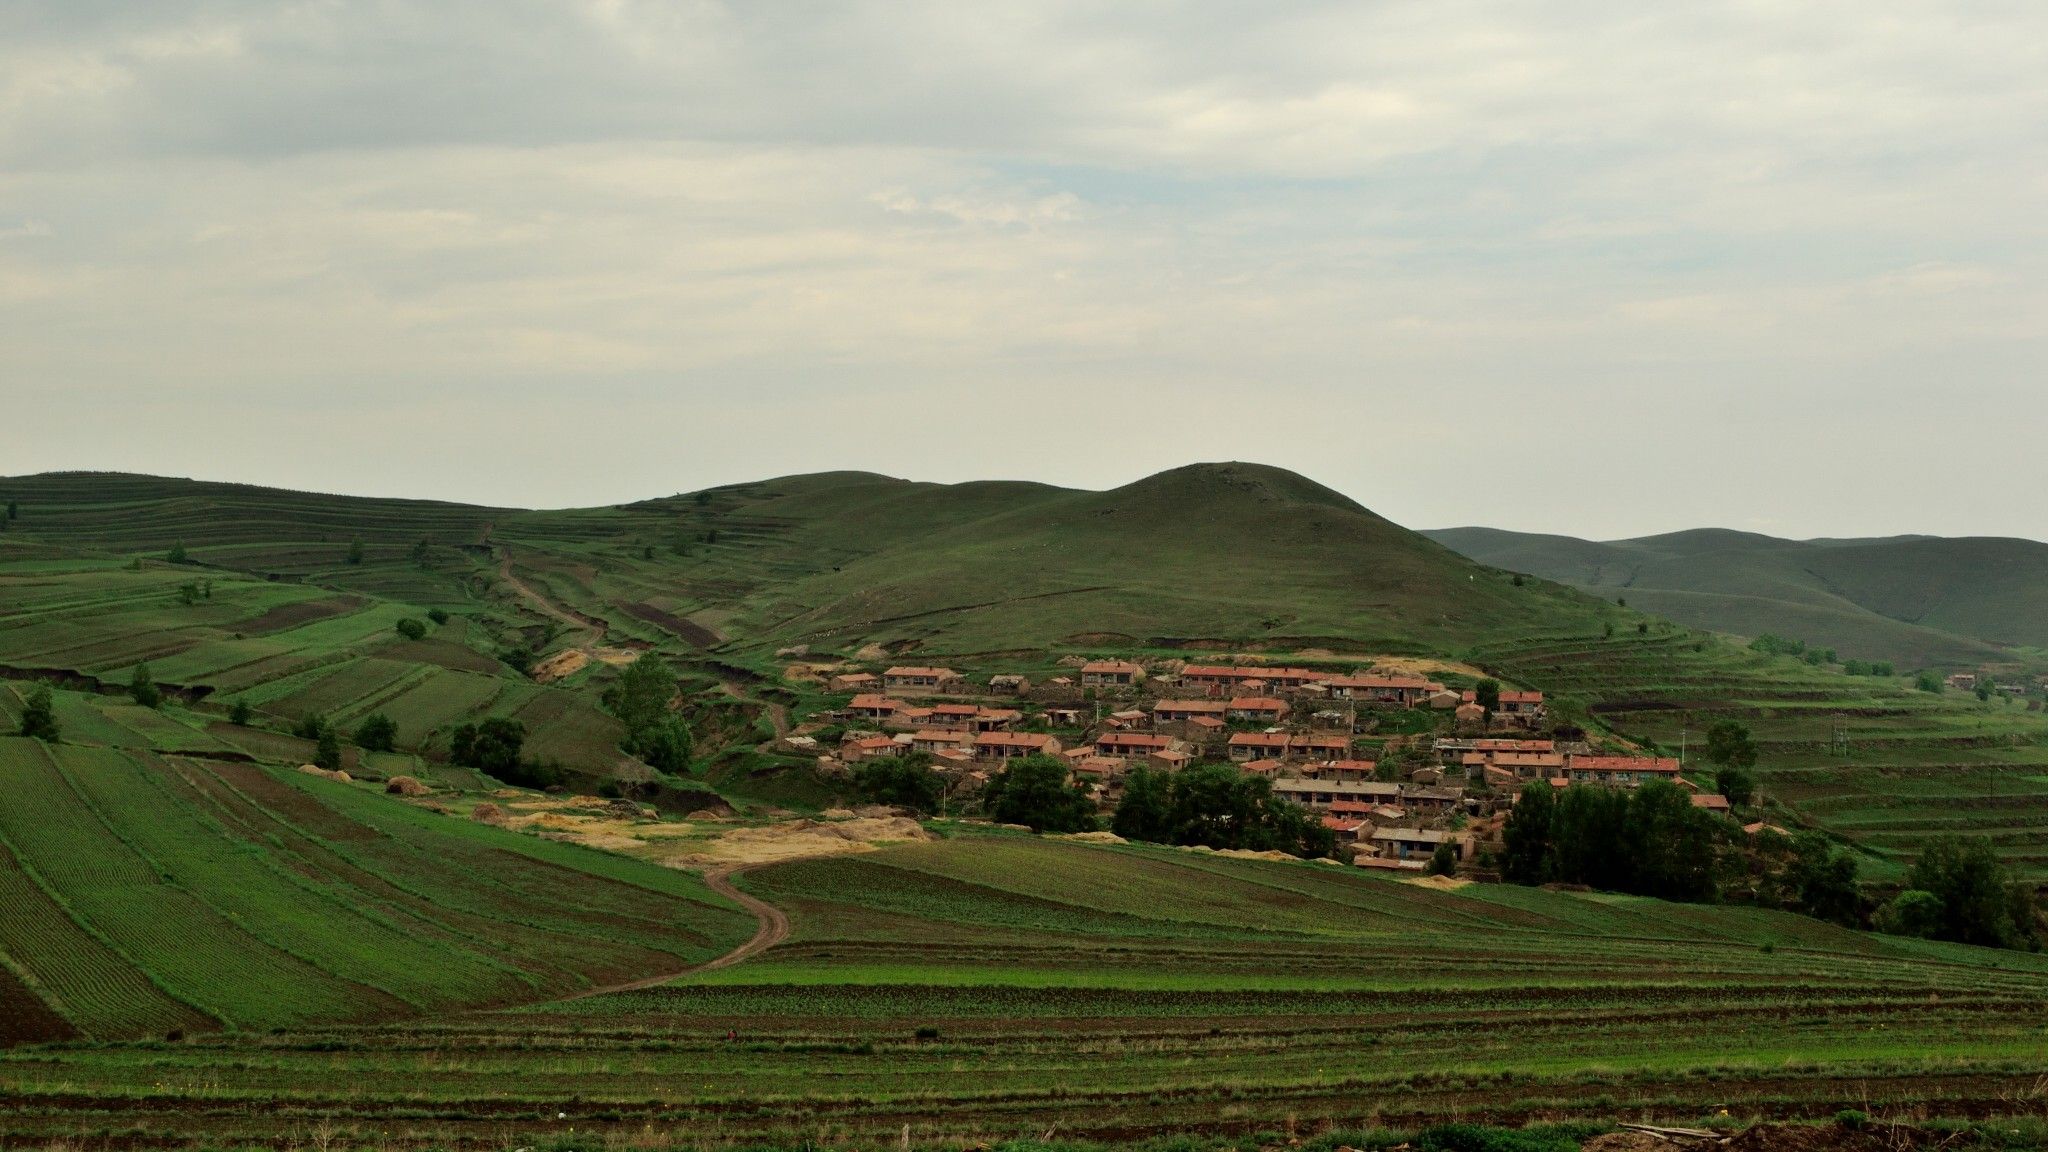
(985, 987)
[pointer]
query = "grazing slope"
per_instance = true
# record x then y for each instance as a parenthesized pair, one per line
(987, 986)
(148, 893)
(1917, 601)
(1231, 552)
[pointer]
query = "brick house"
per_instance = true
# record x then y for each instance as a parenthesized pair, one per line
(1111, 674)
(1007, 745)
(912, 680)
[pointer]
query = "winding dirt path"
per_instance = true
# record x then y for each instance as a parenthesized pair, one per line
(570, 617)
(773, 929)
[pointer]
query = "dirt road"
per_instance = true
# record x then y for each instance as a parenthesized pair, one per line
(773, 929)
(567, 616)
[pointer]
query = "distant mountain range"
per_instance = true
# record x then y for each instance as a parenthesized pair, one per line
(1919, 601)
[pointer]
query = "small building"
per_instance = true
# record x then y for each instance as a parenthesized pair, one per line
(1169, 759)
(1963, 681)
(1264, 709)
(1414, 844)
(1172, 711)
(1712, 802)
(934, 740)
(1111, 674)
(1522, 704)
(853, 682)
(912, 680)
(995, 719)
(874, 706)
(1008, 684)
(1132, 743)
(1397, 691)
(1008, 745)
(1257, 746)
(868, 747)
(1619, 771)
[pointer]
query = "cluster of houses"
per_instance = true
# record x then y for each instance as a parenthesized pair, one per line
(1293, 726)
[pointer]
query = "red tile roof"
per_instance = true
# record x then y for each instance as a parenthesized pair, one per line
(907, 670)
(1012, 740)
(1099, 667)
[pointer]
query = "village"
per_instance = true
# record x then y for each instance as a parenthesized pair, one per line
(1396, 765)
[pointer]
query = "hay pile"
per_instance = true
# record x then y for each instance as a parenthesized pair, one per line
(405, 786)
(316, 770)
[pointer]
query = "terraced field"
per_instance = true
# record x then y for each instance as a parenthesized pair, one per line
(149, 893)
(988, 986)
(1870, 759)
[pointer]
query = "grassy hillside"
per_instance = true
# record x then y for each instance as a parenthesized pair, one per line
(1917, 601)
(1217, 552)
(987, 986)
(147, 893)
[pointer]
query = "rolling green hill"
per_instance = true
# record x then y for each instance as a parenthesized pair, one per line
(1229, 553)
(1914, 600)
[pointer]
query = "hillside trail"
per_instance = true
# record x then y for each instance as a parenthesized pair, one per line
(773, 929)
(575, 620)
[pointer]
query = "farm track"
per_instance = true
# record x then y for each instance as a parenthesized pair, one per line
(575, 619)
(773, 929)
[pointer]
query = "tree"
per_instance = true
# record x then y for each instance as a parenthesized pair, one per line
(518, 657)
(1911, 913)
(1882, 668)
(906, 781)
(238, 715)
(647, 553)
(1143, 812)
(188, 592)
(1526, 835)
(667, 746)
(142, 689)
(438, 615)
(327, 750)
(177, 553)
(1729, 745)
(1736, 784)
(492, 747)
(1035, 791)
(1929, 681)
(1671, 845)
(641, 699)
(1981, 901)
(412, 629)
(1986, 687)
(13, 510)
(420, 555)
(310, 726)
(377, 733)
(1823, 880)
(355, 552)
(1444, 860)
(1487, 694)
(39, 716)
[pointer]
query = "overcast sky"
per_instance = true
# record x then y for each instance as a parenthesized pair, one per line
(1598, 268)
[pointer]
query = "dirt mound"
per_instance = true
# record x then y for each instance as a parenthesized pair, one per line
(405, 786)
(316, 770)
(799, 838)
(1091, 837)
(565, 663)
(1444, 884)
(487, 814)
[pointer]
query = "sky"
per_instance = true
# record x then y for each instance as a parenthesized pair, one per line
(1595, 268)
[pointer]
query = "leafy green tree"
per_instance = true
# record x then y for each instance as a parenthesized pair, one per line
(1729, 745)
(177, 553)
(1526, 835)
(188, 592)
(640, 698)
(1928, 680)
(1823, 880)
(420, 554)
(1035, 791)
(327, 750)
(39, 716)
(1737, 784)
(1986, 687)
(310, 726)
(355, 552)
(1487, 694)
(1981, 901)
(647, 553)
(492, 747)
(1143, 813)
(518, 657)
(13, 510)
(667, 746)
(1444, 860)
(1912, 912)
(142, 688)
(906, 781)
(377, 733)
(239, 714)
(412, 629)
(1672, 845)
(1882, 668)
(438, 615)
(1588, 839)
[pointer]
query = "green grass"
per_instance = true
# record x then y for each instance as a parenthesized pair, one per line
(985, 987)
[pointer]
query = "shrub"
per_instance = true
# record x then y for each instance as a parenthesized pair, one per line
(412, 629)
(142, 688)
(377, 733)
(906, 780)
(1854, 1119)
(438, 615)
(327, 751)
(1034, 791)
(238, 715)
(39, 716)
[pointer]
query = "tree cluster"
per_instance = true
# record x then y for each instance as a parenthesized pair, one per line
(1218, 806)
(1960, 890)
(1650, 842)
(493, 748)
(39, 716)
(640, 699)
(1037, 792)
(906, 781)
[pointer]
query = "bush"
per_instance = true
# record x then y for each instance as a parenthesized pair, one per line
(493, 748)
(39, 716)
(1854, 1119)
(377, 733)
(142, 688)
(438, 615)
(310, 726)
(412, 629)
(239, 714)
(327, 751)
(907, 781)
(1960, 890)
